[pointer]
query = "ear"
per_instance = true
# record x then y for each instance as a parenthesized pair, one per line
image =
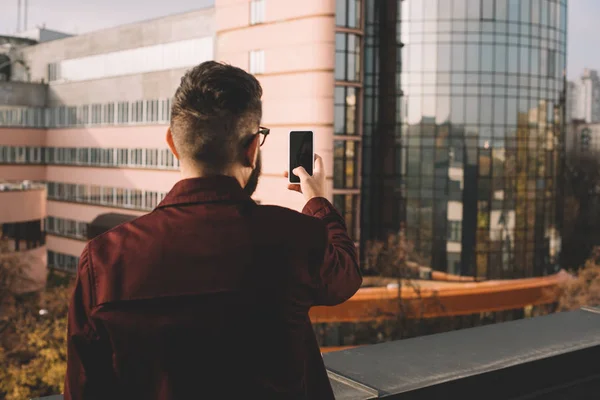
(252, 151)
(171, 143)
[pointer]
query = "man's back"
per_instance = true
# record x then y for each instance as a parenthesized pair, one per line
(208, 296)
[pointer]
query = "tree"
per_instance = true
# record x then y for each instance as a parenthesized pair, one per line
(396, 261)
(580, 232)
(584, 289)
(12, 274)
(32, 334)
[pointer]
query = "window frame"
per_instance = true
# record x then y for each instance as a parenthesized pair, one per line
(256, 61)
(257, 12)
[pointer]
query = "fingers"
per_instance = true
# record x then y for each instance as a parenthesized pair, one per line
(319, 167)
(295, 187)
(301, 173)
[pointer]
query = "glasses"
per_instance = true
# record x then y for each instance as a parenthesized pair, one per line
(264, 132)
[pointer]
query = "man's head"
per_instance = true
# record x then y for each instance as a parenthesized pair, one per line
(215, 121)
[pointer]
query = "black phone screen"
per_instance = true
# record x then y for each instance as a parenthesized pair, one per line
(301, 153)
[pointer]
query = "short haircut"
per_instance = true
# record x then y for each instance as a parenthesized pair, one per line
(215, 110)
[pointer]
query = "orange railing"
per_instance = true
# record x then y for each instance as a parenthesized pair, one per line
(431, 299)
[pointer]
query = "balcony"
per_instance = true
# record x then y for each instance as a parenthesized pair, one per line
(551, 357)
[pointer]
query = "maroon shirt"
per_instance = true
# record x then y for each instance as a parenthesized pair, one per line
(208, 296)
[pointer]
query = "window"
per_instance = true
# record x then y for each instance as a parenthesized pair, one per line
(95, 194)
(454, 231)
(348, 13)
(107, 195)
(257, 62)
(159, 57)
(83, 193)
(347, 57)
(120, 197)
(257, 12)
(62, 261)
(137, 112)
(135, 198)
(488, 10)
(151, 158)
(151, 200)
(20, 155)
(122, 157)
(165, 112)
(85, 115)
(168, 160)
(142, 111)
(108, 115)
(347, 205)
(136, 157)
(72, 116)
(83, 155)
(551, 63)
(345, 110)
(93, 156)
(123, 112)
(152, 110)
(345, 164)
(53, 72)
(70, 192)
(61, 116)
(127, 198)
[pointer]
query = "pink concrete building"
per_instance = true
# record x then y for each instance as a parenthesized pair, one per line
(87, 115)
(22, 215)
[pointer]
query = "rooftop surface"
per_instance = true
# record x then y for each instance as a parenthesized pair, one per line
(552, 357)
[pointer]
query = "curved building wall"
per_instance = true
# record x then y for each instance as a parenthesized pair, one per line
(22, 205)
(347, 129)
(467, 98)
(22, 217)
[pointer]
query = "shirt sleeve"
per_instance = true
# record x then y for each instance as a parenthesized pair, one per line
(339, 276)
(89, 355)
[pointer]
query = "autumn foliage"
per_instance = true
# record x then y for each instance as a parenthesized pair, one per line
(32, 335)
(584, 289)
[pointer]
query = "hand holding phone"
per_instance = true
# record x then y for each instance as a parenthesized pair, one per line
(301, 153)
(310, 186)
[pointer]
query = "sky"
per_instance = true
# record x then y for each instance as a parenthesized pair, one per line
(74, 16)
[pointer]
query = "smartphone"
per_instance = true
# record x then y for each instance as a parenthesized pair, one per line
(301, 153)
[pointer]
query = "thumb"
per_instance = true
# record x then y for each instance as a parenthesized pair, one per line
(300, 172)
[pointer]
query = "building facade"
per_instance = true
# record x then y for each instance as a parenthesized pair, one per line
(441, 118)
(584, 97)
(582, 138)
(91, 120)
(22, 237)
(464, 109)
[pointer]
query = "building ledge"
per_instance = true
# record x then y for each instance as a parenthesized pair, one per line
(550, 357)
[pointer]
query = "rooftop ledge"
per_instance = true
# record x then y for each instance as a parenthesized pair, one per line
(551, 357)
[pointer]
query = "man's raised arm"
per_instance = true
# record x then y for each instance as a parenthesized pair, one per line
(339, 275)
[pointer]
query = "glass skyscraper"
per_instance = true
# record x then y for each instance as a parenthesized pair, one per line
(462, 124)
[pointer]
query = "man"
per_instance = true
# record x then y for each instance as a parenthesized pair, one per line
(208, 295)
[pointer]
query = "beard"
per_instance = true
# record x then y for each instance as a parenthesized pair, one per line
(250, 187)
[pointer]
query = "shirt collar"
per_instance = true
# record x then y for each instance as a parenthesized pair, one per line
(204, 190)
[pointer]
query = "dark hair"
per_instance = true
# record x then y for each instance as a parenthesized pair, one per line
(216, 108)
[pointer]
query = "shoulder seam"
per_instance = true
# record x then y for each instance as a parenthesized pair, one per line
(92, 277)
